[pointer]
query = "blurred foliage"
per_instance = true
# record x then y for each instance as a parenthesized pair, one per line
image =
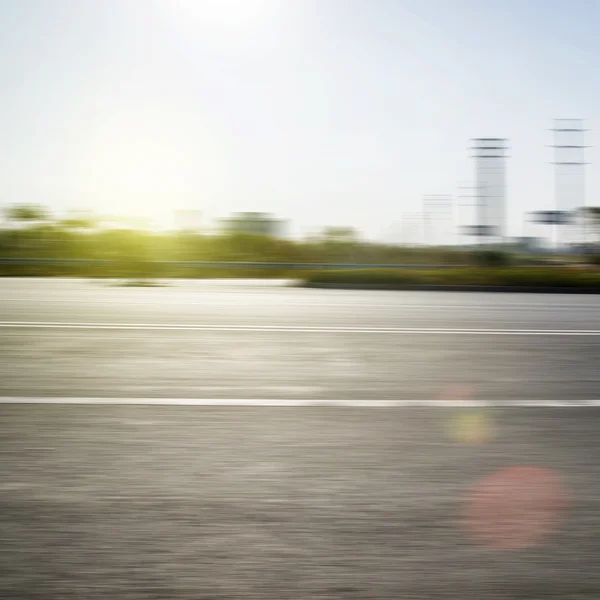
(473, 276)
(592, 214)
(26, 213)
(340, 234)
(127, 249)
(492, 258)
(124, 250)
(82, 220)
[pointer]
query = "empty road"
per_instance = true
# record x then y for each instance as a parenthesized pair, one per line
(369, 444)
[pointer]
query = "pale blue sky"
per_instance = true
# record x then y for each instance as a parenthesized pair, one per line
(323, 111)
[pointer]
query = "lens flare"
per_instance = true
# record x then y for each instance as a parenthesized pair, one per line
(515, 508)
(472, 427)
(467, 426)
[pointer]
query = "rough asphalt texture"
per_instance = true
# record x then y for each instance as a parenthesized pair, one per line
(207, 503)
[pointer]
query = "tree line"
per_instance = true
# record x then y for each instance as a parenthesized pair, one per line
(32, 232)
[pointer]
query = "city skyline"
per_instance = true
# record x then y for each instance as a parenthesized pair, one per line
(340, 113)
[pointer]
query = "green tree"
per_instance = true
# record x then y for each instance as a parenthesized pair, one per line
(592, 215)
(340, 234)
(32, 217)
(27, 213)
(80, 220)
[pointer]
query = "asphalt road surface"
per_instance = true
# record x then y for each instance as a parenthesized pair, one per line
(455, 453)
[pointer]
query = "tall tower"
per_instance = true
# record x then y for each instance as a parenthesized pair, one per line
(490, 172)
(569, 180)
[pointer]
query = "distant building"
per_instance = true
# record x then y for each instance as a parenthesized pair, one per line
(253, 223)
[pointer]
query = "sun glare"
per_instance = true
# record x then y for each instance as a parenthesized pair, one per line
(225, 15)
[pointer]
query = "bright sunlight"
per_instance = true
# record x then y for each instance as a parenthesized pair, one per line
(224, 17)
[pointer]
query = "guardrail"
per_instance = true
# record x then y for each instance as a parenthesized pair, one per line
(66, 262)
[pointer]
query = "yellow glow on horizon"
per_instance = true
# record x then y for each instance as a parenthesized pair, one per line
(151, 163)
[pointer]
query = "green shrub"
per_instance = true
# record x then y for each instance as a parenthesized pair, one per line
(471, 276)
(594, 259)
(367, 276)
(492, 258)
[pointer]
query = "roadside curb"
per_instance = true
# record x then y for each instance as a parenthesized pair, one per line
(451, 288)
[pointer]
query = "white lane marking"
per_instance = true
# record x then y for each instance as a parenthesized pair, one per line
(277, 302)
(266, 402)
(294, 328)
